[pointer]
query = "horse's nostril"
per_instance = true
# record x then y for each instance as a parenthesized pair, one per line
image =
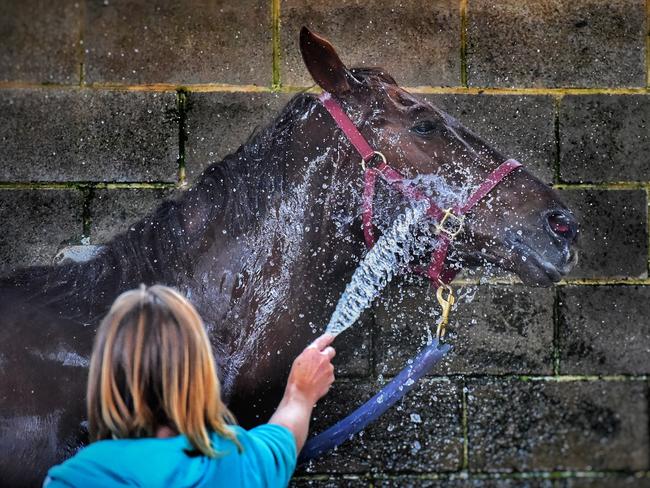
(562, 224)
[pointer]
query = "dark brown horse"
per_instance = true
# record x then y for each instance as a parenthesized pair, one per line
(263, 245)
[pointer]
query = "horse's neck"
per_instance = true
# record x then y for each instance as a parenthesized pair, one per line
(308, 221)
(288, 267)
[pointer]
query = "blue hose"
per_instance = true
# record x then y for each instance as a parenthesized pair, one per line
(377, 405)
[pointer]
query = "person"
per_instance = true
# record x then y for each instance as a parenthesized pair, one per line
(155, 415)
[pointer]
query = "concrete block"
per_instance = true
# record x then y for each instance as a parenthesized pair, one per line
(88, 135)
(613, 240)
(556, 43)
(494, 330)
(422, 433)
(434, 482)
(604, 138)
(36, 223)
(330, 482)
(515, 425)
(604, 330)
(607, 481)
(182, 42)
(40, 41)
(416, 41)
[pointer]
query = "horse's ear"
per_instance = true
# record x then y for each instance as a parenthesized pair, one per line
(324, 65)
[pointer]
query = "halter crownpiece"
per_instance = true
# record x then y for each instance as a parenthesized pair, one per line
(449, 221)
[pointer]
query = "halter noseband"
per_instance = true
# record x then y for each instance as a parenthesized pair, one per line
(450, 221)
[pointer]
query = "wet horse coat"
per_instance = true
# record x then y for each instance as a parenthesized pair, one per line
(263, 245)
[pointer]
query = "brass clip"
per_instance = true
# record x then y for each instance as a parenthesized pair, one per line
(446, 303)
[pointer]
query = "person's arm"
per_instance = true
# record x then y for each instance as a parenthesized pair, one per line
(310, 378)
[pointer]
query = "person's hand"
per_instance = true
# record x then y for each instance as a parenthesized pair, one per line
(312, 372)
(310, 378)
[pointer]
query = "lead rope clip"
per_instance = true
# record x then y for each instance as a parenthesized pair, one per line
(446, 304)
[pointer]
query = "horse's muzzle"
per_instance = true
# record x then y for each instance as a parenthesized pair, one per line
(541, 261)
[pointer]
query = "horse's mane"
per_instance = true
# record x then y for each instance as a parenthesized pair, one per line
(259, 168)
(368, 75)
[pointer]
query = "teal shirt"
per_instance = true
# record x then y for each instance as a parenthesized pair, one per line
(268, 459)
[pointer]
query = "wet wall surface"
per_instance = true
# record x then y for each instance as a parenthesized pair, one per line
(108, 107)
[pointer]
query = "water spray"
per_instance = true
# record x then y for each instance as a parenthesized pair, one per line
(394, 249)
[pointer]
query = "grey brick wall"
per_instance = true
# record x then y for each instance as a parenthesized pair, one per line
(107, 107)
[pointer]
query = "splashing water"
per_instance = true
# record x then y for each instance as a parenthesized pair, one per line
(394, 249)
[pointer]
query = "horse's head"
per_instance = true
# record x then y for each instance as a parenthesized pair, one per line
(522, 226)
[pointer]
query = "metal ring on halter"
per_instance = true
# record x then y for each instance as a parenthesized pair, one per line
(374, 153)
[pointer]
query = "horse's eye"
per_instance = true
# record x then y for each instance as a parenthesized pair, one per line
(424, 128)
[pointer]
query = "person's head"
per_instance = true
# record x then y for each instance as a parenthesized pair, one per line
(151, 367)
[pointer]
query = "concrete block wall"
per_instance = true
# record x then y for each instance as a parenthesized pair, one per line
(109, 106)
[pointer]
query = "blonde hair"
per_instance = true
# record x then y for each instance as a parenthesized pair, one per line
(152, 366)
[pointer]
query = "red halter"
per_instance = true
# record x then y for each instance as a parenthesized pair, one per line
(450, 220)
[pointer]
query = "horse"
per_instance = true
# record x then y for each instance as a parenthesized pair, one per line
(262, 244)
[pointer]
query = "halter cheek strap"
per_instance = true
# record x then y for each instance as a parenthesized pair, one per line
(450, 220)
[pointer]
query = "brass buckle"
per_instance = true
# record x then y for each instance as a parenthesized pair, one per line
(375, 153)
(448, 217)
